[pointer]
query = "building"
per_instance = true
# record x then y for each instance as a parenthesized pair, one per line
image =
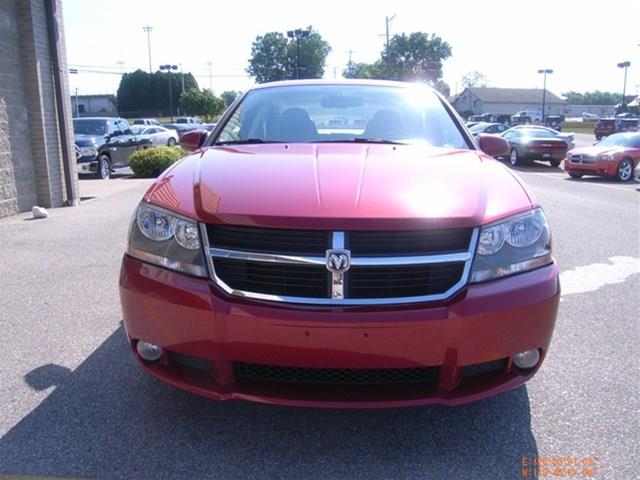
(37, 159)
(94, 106)
(508, 101)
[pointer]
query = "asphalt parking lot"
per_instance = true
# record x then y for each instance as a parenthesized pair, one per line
(74, 404)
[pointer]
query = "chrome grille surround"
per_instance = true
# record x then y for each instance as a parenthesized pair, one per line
(337, 296)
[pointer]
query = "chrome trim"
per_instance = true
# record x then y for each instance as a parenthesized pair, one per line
(467, 257)
(355, 261)
(265, 257)
(337, 278)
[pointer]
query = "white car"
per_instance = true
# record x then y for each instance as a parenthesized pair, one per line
(159, 136)
(589, 117)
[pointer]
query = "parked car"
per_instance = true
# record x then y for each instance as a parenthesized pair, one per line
(608, 126)
(484, 127)
(291, 263)
(471, 124)
(626, 115)
(146, 121)
(615, 156)
(526, 116)
(567, 137)
(483, 117)
(91, 134)
(527, 144)
(553, 121)
(604, 127)
(589, 117)
(208, 126)
(183, 125)
(159, 136)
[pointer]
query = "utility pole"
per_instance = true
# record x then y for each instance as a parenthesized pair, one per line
(387, 21)
(169, 68)
(121, 63)
(544, 71)
(148, 29)
(210, 76)
(297, 34)
(625, 65)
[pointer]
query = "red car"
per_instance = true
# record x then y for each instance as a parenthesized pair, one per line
(615, 156)
(340, 244)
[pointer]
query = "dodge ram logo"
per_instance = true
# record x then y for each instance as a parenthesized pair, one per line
(338, 261)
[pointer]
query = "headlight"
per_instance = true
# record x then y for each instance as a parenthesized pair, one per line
(606, 156)
(514, 245)
(166, 239)
(88, 151)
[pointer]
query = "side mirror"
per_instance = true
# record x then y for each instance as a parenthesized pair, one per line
(493, 145)
(193, 140)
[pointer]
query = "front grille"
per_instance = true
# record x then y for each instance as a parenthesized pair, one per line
(274, 278)
(582, 158)
(413, 242)
(403, 281)
(385, 266)
(270, 240)
(334, 376)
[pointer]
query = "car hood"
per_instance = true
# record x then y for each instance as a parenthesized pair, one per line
(596, 150)
(340, 186)
(83, 140)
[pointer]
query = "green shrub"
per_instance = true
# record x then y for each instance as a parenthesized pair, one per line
(151, 162)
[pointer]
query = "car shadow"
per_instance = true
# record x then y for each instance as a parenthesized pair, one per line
(107, 419)
(602, 180)
(535, 166)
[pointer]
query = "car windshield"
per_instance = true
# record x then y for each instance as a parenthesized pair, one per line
(342, 113)
(90, 127)
(621, 140)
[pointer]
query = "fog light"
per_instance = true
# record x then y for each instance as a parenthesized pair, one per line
(148, 351)
(527, 360)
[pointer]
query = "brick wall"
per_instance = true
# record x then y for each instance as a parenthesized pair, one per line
(31, 170)
(17, 183)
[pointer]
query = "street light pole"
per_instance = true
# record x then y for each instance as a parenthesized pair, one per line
(297, 34)
(210, 77)
(148, 28)
(544, 89)
(624, 65)
(169, 68)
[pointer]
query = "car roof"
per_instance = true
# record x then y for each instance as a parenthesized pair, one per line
(363, 82)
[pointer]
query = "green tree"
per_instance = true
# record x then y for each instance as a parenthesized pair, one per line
(202, 103)
(592, 98)
(229, 96)
(274, 57)
(141, 93)
(417, 56)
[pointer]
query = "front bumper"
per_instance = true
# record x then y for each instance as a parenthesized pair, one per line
(600, 167)
(483, 324)
(87, 164)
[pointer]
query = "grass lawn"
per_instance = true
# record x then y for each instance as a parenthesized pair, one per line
(578, 127)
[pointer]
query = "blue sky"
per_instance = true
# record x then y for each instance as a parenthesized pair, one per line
(508, 41)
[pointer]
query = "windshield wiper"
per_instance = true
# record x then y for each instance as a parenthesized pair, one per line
(247, 141)
(361, 140)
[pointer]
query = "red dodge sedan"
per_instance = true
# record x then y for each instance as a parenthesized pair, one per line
(340, 244)
(615, 156)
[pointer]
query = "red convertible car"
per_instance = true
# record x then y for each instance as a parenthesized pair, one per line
(615, 156)
(340, 244)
